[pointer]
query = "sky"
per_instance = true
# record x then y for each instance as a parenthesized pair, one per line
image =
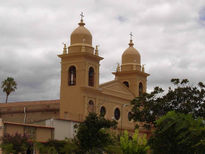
(169, 34)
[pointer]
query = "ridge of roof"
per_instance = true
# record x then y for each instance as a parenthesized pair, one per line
(27, 103)
(24, 124)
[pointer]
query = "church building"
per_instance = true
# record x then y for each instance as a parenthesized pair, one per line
(80, 90)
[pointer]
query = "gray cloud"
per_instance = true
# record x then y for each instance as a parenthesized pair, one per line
(169, 35)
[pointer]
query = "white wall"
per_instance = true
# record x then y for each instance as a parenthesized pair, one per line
(63, 128)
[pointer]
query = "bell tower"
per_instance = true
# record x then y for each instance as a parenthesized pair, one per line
(131, 73)
(79, 74)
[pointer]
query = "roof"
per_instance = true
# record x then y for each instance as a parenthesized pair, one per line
(29, 103)
(30, 106)
(29, 125)
(117, 89)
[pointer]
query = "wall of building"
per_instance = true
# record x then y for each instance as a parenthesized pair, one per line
(30, 112)
(63, 128)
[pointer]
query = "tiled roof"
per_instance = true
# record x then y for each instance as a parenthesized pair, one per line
(29, 103)
(29, 125)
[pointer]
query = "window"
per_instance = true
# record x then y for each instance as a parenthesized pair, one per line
(140, 89)
(72, 76)
(102, 111)
(117, 114)
(91, 106)
(91, 77)
(126, 83)
(129, 116)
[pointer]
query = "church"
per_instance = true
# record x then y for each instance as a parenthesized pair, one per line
(80, 91)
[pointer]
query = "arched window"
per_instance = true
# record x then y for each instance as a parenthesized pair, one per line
(117, 114)
(126, 83)
(72, 76)
(102, 111)
(91, 77)
(140, 89)
(91, 107)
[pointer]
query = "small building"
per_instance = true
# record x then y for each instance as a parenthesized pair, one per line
(35, 132)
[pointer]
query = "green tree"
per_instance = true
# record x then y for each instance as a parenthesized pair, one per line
(178, 133)
(8, 85)
(15, 143)
(92, 135)
(56, 146)
(182, 98)
(136, 145)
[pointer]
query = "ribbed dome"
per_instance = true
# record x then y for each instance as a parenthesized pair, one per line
(131, 55)
(81, 35)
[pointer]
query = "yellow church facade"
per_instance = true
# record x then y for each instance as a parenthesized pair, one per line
(80, 90)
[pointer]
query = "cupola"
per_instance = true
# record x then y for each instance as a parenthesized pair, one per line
(81, 35)
(131, 55)
(81, 39)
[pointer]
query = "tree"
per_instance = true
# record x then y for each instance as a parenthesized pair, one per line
(66, 146)
(178, 133)
(136, 145)
(9, 85)
(92, 136)
(183, 98)
(15, 143)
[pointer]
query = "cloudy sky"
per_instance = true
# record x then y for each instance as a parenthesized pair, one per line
(169, 34)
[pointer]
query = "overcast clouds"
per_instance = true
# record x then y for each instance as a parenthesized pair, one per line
(169, 34)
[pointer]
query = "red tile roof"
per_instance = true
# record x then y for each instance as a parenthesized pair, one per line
(29, 103)
(29, 125)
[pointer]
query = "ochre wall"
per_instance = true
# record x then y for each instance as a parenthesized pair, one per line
(34, 111)
(41, 134)
(13, 129)
(44, 134)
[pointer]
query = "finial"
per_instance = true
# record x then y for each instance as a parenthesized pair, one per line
(96, 50)
(131, 35)
(81, 14)
(118, 67)
(131, 43)
(81, 19)
(64, 48)
(143, 67)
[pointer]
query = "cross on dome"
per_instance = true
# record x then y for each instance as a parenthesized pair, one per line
(81, 15)
(131, 35)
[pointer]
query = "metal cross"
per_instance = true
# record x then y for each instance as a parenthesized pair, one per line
(131, 35)
(81, 15)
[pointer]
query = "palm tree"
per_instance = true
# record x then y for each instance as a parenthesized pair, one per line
(9, 85)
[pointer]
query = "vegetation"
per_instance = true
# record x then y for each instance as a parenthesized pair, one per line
(136, 145)
(8, 85)
(15, 143)
(92, 135)
(184, 98)
(178, 133)
(56, 147)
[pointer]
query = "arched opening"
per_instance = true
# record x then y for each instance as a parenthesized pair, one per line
(140, 89)
(72, 76)
(91, 107)
(102, 111)
(91, 77)
(126, 83)
(117, 114)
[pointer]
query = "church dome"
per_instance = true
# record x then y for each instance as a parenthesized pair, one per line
(81, 35)
(131, 55)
